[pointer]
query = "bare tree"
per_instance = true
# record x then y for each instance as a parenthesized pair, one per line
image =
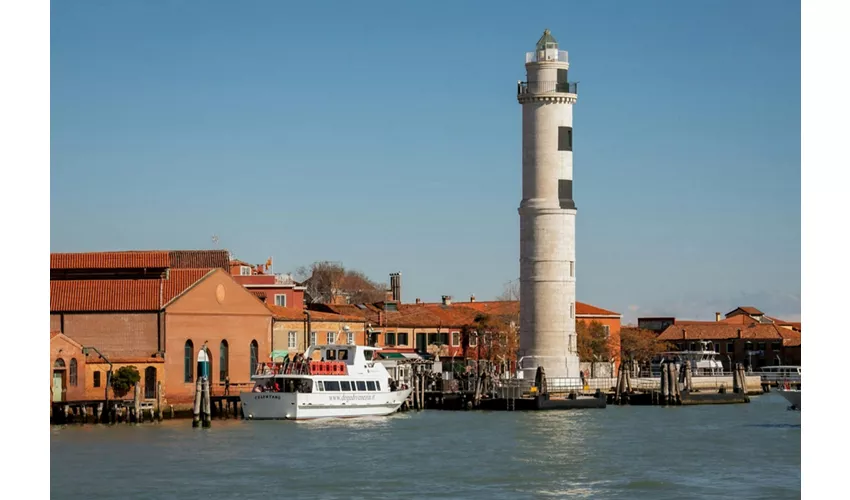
(326, 282)
(510, 291)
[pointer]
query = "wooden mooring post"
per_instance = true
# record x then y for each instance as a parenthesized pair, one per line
(196, 408)
(207, 413)
(137, 404)
(159, 400)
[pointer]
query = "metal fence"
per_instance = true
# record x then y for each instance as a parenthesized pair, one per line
(532, 88)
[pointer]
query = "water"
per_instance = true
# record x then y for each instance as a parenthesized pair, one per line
(728, 451)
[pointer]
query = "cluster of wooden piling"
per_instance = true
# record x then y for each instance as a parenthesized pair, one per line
(677, 388)
(201, 411)
(106, 412)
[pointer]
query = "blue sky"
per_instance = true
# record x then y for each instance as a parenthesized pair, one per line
(387, 136)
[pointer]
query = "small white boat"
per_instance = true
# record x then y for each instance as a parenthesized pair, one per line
(332, 381)
(791, 395)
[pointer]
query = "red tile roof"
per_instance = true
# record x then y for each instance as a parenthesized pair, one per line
(138, 259)
(508, 307)
(179, 280)
(104, 295)
(121, 295)
(746, 309)
(296, 314)
(196, 259)
(720, 331)
(109, 260)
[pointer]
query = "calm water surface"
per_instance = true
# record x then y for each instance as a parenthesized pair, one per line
(730, 451)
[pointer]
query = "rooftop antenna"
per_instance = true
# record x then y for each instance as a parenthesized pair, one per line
(215, 240)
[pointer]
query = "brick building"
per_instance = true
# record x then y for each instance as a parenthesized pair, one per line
(154, 310)
(273, 289)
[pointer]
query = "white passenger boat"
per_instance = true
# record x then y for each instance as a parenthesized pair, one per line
(329, 381)
(792, 396)
(704, 360)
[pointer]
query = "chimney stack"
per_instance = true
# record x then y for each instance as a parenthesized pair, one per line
(395, 286)
(716, 316)
(472, 298)
(447, 300)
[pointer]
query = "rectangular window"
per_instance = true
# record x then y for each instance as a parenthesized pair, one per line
(761, 346)
(370, 385)
(572, 269)
(444, 338)
(244, 270)
(331, 385)
(389, 338)
(607, 330)
(717, 348)
(378, 385)
(565, 138)
(692, 346)
(313, 338)
(775, 346)
(361, 386)
(293, 340)
(402, 338)
(345, 385)
(473, 340)
(97, 378)
(455, 338)
(730, 347)
(320, 385)
(432, 338)
(350, 338)
(330, 337)
(280, 300)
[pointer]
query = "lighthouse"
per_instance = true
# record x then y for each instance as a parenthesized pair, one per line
(547, 214)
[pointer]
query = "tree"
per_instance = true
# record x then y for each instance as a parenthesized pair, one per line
(498, 337)
(327, 282)
(592, 342)
(641, 345)
(510, 291)
(125, 378)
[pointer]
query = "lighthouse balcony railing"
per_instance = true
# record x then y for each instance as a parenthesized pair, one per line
(535, 88)
(531, 57)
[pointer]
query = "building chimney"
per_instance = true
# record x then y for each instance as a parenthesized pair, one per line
(395, 286)
(716, 316)
(472, 298)
(447, 300)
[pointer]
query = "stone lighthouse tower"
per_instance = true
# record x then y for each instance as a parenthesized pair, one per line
(547, 214)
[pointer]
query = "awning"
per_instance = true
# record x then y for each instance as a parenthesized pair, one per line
(392, 355)
(275, 355)
(411, 355)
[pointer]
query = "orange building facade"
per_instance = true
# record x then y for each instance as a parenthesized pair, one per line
(147, 310)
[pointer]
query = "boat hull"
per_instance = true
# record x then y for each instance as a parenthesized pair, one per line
(792, 396)
(307, 406)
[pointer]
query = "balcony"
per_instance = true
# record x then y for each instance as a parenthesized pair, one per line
(547, 55)
(537, 88)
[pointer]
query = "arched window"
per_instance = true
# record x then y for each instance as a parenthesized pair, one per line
(255, 354)
(188, 360)
(72, 373)
(223, 359)
(59, 363)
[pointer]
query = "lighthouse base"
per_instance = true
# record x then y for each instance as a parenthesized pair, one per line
(554, 366)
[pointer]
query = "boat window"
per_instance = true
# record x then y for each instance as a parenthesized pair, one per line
(371, 385)
(331, 385)
(378, 385)
(343, 354)
(346, 386)
(368, 355)
(361, 386)
(331, 355)
(320, 385)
